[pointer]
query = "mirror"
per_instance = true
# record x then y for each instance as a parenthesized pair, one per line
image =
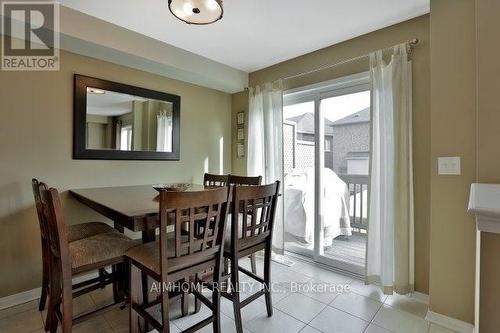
(124, 122)
(117, 121)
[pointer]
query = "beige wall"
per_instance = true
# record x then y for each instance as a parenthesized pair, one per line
(36, 134)
(453, 133)
(488, 154)
(415, 28)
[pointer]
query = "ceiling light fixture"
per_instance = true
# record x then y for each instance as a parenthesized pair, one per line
(196, 11)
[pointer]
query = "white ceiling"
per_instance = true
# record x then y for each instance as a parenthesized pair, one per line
(255, 34)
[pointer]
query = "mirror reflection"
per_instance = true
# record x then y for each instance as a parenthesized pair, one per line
(118, 121)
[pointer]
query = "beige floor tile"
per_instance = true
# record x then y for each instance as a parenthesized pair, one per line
(280, 273)
(324, 292)
(301, 307)
(438, 329)
(102, 297)
(357, 305)
(227, 326)
(118, 319)
(26, 321)
(302, 267)
(407, 304)
(372, 328)
(280, 279)
(173, 329)
(83, 304)
(400, 321)
(187, 321)
(333, 320)
(316, 271)
(95, 325)
(374, 292)
(245, 263)
(309, 329)
(279, 322)
(248, 312)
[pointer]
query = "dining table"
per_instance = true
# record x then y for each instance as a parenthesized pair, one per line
(135, 207)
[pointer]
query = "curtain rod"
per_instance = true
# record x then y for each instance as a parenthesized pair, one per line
(411, 44)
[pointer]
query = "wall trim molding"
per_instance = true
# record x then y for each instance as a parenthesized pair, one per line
(449, 322)
(420, 297)
(33, 294)
(19, 298)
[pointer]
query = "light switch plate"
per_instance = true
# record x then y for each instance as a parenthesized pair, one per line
(449, 166)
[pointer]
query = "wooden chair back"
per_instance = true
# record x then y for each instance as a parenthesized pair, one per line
(215, 180)
(193, 247)
(35, 184)
(252, 219)
(243, 180)
(57, 238)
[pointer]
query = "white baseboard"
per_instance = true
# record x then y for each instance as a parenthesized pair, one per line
(33, 294)
(420, 297)
(450, 323)
(19, 298)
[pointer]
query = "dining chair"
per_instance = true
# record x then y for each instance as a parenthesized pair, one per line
(252, 222)
(244, 180)
(250, 181)
(74, 233)
(67, 259)
(178, 255)
(215, 180)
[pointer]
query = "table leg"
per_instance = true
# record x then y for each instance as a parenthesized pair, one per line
(120, 288)
(148, 235)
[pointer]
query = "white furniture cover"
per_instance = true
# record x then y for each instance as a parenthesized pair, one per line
(299, 205)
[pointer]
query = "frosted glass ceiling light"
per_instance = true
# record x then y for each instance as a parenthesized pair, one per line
(196, 11)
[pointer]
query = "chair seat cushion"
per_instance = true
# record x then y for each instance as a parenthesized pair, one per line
(99, 248)
(148, 255)
(84, 230)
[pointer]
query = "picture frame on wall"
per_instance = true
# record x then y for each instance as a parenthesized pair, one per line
(240, 150)
(240, 119)
(241, 134)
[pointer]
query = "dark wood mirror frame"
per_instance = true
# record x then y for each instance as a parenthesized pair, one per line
(80, 150)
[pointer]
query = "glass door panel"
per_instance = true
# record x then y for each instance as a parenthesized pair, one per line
(299, 177)
(345, 151)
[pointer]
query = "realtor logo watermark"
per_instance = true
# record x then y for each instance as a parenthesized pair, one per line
(31, 36)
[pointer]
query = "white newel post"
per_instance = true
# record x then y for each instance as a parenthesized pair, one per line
(484, 203)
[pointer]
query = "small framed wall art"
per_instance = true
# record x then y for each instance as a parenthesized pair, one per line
(240, 118)
(240, 134)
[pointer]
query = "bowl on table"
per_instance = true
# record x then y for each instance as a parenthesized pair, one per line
(173, 187)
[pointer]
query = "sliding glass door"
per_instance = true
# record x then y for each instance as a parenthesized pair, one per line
(299, 176)
(326, 162)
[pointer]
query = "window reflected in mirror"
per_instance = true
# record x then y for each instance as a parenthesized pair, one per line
(118, 121)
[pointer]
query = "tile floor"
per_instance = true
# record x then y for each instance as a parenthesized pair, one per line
(358, 308)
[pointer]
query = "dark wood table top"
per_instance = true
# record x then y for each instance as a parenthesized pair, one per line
(128, 206)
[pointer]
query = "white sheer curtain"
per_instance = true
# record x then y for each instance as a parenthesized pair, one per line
(265, 138)
(390, 248)
(118, 133)
(164, 131)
